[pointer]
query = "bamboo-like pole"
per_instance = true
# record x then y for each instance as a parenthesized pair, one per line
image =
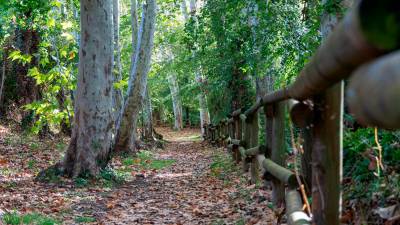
(283, 175)
(294, 208)
(374, 92)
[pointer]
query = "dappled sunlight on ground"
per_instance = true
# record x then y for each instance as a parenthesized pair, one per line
(165, 186)
(173, 175)
(185, 135)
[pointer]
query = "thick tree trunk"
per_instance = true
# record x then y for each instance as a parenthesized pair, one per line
(117, 93)
(148, 118)
(176, 101)
(91, 135)
(126, 128)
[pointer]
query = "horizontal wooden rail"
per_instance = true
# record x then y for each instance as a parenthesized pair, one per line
(294, 208)
(374, 92)
(281, 173)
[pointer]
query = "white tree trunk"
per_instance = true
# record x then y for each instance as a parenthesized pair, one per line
(91, 135)
(135, 29)
(117, 93)
(184, 10)
(192, 7)
(204, 114)
(148, 117)
(126, 129)
(176, 101)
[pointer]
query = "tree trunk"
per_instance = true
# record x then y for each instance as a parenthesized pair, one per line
(117, 93)
(176, 101)
(184, 10)
(204, 114)
(135, 29)
(148, 118)
(91, 140)
(3, 78)
(126, 128)
(192, 7)
(27, 41)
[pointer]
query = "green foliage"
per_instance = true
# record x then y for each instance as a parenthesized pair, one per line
(359, 164)
(52, 65)
(31, 164)
(222, 166)
(84, 219)
(31, 218)
(146, 160)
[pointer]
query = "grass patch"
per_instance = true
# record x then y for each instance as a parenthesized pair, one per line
(146, 160)
(84, 219)
(31, 218)
(31, 164)
(60, 146)
(107, 178)
(222, 166)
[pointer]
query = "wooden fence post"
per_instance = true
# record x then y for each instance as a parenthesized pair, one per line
(278, 150)
(327, 156)
(301, 114)
(246, 133)
(237, 136)
(213, 131)
(252, 123)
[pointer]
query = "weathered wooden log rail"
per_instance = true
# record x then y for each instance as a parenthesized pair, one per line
(363, 47)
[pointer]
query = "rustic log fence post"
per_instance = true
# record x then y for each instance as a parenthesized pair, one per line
(327, 155)
(237, 136)
(278, 150)
(252, 123)
(301, 115)
(246, 136)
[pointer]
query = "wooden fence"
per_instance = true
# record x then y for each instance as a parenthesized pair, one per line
(364, 48)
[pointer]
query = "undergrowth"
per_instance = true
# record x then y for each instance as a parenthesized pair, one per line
(14, 218)
(145, 160)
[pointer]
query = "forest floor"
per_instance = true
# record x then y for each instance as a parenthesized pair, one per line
(187, 182)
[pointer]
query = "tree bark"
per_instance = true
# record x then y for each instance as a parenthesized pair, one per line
(184, 10)
(27, 41)
(148, 118)
(117, 93)
(176, 101)
(204, 114)
(126, 128)
(135, 29)
(3, 78)
(90, 143)
(192, 7)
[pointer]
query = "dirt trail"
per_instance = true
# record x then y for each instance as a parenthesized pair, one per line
(187, 192)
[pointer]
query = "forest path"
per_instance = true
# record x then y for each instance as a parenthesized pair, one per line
(198, 185)
(189, 192)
